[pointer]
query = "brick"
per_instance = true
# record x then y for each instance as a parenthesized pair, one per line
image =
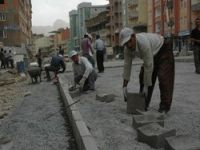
(141, 120)
(154, 135)
(74, 93)
(89, 143)
(135, 101)
(151, 112)
(103, 97)
(182, 143)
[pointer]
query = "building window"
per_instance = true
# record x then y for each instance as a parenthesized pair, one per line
(3, 33)
(3, 16)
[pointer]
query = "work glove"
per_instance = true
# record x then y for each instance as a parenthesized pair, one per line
(125, 92)
(82, 82)
(145, 91)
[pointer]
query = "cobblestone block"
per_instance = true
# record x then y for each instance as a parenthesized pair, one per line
(141, 120)
(105, 97)
(182, 143)
(135, 101)
(154, 135)
(151, 112)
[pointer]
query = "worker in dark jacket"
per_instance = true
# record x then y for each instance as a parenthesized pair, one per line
(57, 62)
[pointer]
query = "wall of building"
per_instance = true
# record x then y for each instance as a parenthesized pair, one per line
(16, 23)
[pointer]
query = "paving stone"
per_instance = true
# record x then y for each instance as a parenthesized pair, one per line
(141, 120)
(74, 93)
(103, 97)
(151, 112)
(89, 143)
(154, 135)
(135, 101)
(182, 142)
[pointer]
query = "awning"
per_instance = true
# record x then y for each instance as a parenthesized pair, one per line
(184, 33)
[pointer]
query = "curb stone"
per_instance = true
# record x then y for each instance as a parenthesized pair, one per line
(83, 137)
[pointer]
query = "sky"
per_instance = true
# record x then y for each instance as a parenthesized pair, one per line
(46, 12)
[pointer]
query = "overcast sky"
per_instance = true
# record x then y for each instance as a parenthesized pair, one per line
(45, 12)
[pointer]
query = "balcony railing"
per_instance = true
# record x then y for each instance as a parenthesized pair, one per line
(196, 7)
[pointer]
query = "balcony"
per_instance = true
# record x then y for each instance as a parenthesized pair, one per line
(196, 7)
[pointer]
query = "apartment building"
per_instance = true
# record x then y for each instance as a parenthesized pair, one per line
(135, 14)
(116, 23)
(171, 17)
(84, 11)
(195, 11)
(15, 22)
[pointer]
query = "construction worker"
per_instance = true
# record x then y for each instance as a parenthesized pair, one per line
(84, 73)
(57, 62)
(158, 61)
(195, 38)
(87, 50)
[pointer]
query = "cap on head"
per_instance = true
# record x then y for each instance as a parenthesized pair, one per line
(73, 53)
(125, 35)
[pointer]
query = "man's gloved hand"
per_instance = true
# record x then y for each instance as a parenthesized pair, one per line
(125, 92)
(82, 82)
(145, 91)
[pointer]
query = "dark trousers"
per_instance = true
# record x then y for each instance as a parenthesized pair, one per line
(90, 58)
(89, 82)
(196, 53)
(53, 69)
(39, 60)
(100, 60)
(164, 70)
(3, 65)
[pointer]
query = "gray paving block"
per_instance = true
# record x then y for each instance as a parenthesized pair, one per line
(135, 101)
(74, 93)
(104, 97)
(80, 130)
(141, 120)
(151, 112)
(182, 143)
(154, 135)
(89, 143)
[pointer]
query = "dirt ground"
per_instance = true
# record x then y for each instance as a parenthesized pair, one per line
(112, 127)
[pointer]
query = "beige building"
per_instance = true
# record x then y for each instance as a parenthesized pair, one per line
(135, 14)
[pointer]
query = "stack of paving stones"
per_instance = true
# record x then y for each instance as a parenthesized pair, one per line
(151, 130)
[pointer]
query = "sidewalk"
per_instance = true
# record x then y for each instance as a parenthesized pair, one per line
(136, 61)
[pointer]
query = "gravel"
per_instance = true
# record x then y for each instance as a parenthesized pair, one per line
(38, 122)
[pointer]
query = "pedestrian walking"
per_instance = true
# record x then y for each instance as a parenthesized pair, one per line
(84, 73)
(100, 51)
(39, 58)
(2, 59)
(57, 62)
(195, 39)
(158, 61)
(87, 50)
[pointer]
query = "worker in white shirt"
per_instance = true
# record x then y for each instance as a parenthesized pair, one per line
(84, 73)
(158, 61)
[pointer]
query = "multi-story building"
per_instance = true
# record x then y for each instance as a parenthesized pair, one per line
(171, 17)
(97, 26)
(15, 22)
(84, 11)
(115, 24)
(195, 11)
(135, 14)
(74, 30)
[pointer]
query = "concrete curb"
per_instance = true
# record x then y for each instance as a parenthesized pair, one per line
(83, 137)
